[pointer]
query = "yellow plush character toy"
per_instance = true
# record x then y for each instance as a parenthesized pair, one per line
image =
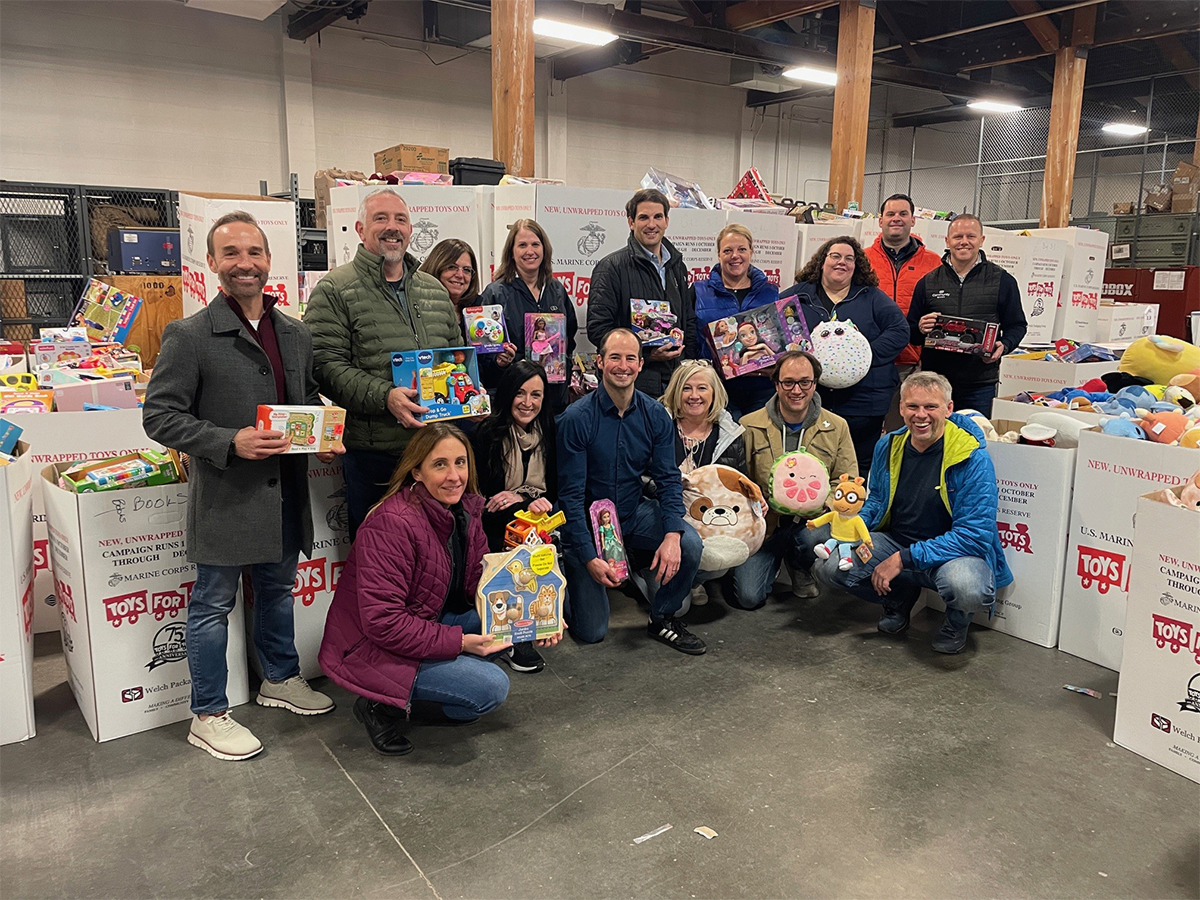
(846, 526)
(1160, 358)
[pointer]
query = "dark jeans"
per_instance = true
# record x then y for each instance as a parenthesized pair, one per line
(367, 474)
(865, 432)
(974, 396)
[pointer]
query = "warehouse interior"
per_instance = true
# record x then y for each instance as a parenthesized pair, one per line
(829, 759)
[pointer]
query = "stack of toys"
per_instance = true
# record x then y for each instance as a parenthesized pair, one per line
(520, 594)
(145, 468)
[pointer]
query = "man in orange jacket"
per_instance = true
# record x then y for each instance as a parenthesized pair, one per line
(900, 260)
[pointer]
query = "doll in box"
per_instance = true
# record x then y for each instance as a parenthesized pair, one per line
(606, 528)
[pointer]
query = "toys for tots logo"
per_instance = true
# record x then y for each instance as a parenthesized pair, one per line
(160, 604)
(1103, 568)
(169, 645)
(1176, 634)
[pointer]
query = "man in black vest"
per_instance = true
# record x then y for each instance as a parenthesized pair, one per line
(648, 268)
(968, 286)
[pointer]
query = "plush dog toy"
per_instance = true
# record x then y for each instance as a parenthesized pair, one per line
(728, 512)
(845, 524)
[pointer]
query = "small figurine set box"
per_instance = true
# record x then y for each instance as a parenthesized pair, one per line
(446, 381)
(974, 336)
(485, 327)
(546, 343)
(654, 323)
(752, 340)
(310, 429)
(145, 468)
(520, 595)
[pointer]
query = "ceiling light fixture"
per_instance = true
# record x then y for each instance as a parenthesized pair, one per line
(575, 34)
(812, 75)
(1124, 129)
(994, 106)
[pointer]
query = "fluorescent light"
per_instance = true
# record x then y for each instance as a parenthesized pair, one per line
(575, 34)
(814, 76)
(994, 106)
(1123, 129)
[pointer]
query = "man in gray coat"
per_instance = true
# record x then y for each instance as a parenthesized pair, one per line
(247, 504)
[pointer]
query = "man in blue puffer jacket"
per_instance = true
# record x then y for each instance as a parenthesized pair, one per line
(931, 512)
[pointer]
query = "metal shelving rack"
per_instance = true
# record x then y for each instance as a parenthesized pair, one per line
(310, 239)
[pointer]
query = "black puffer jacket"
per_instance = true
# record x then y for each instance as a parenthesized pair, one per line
(627, 275)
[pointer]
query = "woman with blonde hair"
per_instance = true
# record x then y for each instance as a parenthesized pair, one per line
(524, 284)
(403, 626)
(734, 286)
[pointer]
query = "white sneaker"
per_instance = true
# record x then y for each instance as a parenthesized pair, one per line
(804, 586)
(223, 737)
(294, 695)
(699, 596)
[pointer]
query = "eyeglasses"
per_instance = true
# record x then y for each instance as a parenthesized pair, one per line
(466, 270)
(790, 384)
(703, 362)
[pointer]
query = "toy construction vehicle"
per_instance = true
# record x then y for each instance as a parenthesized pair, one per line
(531, 529)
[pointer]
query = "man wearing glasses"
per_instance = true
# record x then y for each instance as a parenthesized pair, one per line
(793, 419)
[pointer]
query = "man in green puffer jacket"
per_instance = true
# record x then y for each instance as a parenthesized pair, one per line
(360, 314)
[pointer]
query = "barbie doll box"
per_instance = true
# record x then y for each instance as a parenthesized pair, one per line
(752, 340)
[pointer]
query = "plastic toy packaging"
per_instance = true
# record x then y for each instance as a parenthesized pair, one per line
(105, 312)
(446, 381)
(680, 192)
(485, 327)
(520, 594)
(606, 528)
(654, 323)
(752, 340)
(583, 374)
(146, 468)
(14, 401)
(974, 336)
(546, 344)
(310, 429)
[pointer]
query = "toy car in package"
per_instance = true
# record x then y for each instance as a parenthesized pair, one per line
(446, 381)
(752, 340)
(958, 335)
(655, 324)
(485, 327)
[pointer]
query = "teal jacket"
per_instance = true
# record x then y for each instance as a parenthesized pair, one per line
(356, 325)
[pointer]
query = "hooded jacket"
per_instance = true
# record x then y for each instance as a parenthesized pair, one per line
(898, 280)
(825, 435)
(628, 275)
(715, 301)
(383, 622)
(967, 488)
(879, 319)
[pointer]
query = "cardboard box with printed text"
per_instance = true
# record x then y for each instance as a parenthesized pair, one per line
(16, 598)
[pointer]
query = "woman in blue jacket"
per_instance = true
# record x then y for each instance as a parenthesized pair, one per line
(839, 283)
(734, 286)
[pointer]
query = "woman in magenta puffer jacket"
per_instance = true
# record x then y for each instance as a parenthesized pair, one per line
(403, 625)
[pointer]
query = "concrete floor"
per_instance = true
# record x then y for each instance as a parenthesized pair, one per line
(832, 761)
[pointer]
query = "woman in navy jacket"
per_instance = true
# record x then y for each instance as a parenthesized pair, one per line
(734, 286)
(839, 282)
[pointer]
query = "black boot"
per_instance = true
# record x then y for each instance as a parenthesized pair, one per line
(383, 727)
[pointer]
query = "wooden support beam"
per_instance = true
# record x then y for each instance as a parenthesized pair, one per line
(851, 102)
(1070, 66)
(893, 25)
(694, 12)
(1042, 30)
(512, 85)
(757, 13)
(1177, 54)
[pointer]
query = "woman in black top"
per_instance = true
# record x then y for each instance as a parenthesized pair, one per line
(514, 449)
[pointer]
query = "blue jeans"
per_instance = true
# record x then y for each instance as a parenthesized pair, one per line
(966, 584)
(367, 474)
(467, 686)
(975, 396)
(794, 542)
(212, 601)
(587, 602)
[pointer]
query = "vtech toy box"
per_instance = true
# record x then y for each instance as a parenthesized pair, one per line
(446, 381)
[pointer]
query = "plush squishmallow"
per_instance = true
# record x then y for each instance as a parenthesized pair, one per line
(844, 352)
(1160, 358)
(799, 484)
(728, 512)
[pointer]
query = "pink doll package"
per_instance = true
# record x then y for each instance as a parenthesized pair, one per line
(607, 531)
(546, 343)
(752, 340)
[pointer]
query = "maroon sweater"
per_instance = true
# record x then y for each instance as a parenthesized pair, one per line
(264, 335)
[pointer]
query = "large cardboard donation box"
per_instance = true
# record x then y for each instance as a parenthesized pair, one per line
(16, 598)
(1035, 505)
(277, 219)
(70, 437)
(1158, 699)
(435, 212)
(1083, 278)
(1110, 474)
(1044, 376)
(124, 584)
(1037, 265)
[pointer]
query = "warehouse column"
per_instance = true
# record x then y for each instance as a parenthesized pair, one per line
(851, 102)
(512, 85)
(1070, 64)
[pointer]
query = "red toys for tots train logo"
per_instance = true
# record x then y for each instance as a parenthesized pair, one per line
(1103, 568)
(160, 604)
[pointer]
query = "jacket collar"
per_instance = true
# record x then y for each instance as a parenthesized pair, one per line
(978, 267)
(728, 431)
(370, 266)
(961, 438)
(440, 518)
(757, 278)
(810, 418)
(224, 319)
(639, 252)
(914, 246)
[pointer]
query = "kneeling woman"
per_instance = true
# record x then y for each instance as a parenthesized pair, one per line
(403, 625)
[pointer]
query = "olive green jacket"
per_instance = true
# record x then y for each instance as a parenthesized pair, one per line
(356, 325)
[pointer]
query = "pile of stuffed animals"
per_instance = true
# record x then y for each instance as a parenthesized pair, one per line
(1152, 396)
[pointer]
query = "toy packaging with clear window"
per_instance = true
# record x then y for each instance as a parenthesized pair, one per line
(546, 344)
(446, 381)
(958, 335)
(485, 327)
(310, 429)
(752, 340)
(606, 528)
(654, 323)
